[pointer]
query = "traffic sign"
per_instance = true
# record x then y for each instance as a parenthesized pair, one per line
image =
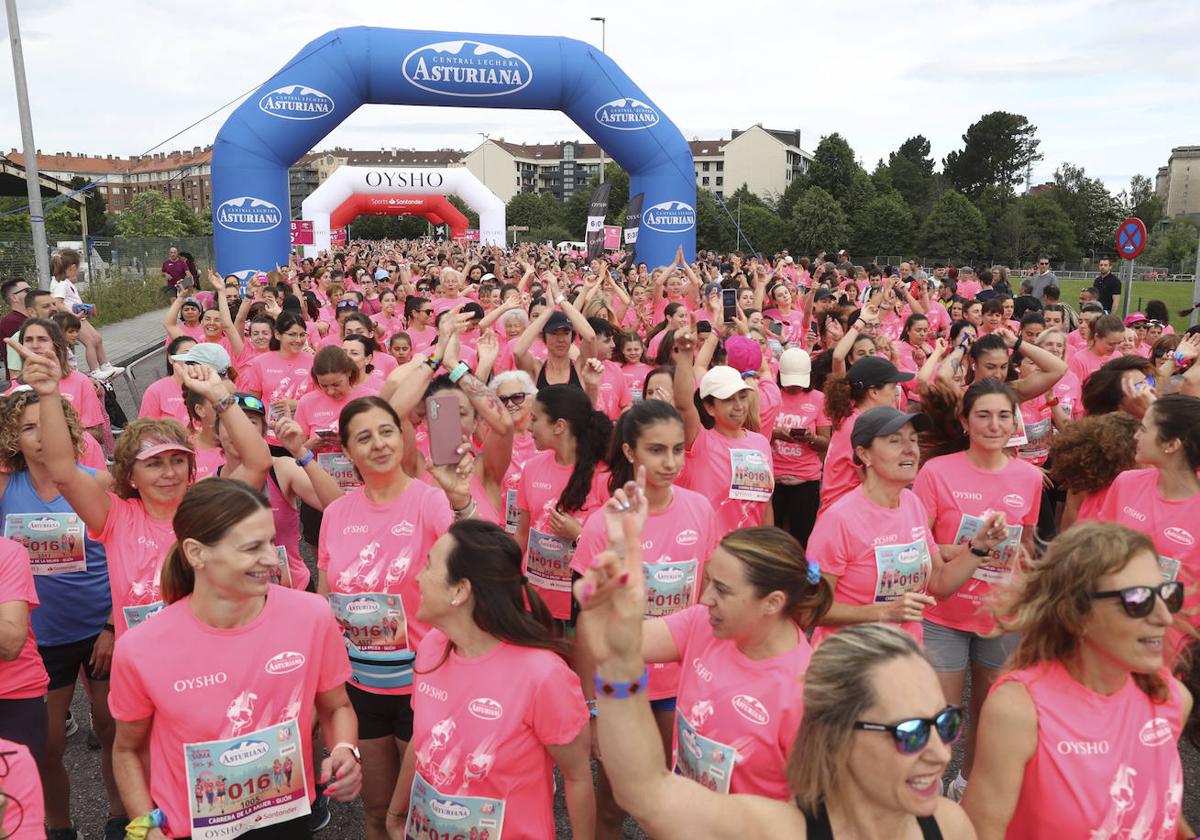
(1131, 238)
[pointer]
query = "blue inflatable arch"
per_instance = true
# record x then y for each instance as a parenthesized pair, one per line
(332, 76)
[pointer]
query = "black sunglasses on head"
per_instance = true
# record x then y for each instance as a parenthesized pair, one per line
(912, 735)
(1138, 601)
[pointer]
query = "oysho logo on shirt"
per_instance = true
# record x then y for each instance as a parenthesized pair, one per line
(1014, 500)
(1155, 732)
(1133, 514)
(403, 529)
(888, 538)
(466, 68)
(433, 691)
(205, 681)
(670, 217)
(247, 214)
(751, 709)
(296, 102)
(1178, 535)
(687, 537)
(701, 670)
(1082, 747)
(626, 115)
(354, 529)
(967, 494)
(285, 662)
(541, 485)
(485, 708)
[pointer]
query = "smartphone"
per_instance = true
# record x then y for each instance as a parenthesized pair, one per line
(776, 327)
(729, 304)
(445, 428)
(704, 327)
(325, 433)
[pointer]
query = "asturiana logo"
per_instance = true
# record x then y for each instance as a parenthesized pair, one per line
(244, 753)
(626, 115)
(466, 68)
(43, 523)
(247, 214)
(285, 662)
(296, 102)
(448, 809)
(751, 709)
(485, 708)
(670, 217)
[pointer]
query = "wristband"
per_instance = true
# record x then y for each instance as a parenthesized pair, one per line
(1017, 344)
(978, 552)
(139, 827)
(622, 690)
(460, 370)
(1180, 359)
(592, 711)
(224, 404)
(434, 363)
(305, 460)
(109, 627)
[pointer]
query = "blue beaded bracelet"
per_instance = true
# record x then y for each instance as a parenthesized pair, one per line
(622, 690)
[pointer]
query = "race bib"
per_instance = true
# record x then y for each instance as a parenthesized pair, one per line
(751, 476)
(339, 467)
(1019, 438)
(1038, 446)
(136, 615)
(670, 587)
(511, 511)
(1000, 560)
(900, 569)
(281, 575)
(702, 759)
(246, 782)
(1169, 567)
(55, 541)
(549, 562)
(376, 633)
(432, 816)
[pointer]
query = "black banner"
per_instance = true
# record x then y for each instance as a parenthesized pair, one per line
(633, 220)
(595, 222)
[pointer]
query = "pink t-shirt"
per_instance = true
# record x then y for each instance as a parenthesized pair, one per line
(164, 400)
(1133, 500)
(422, 339)
(802, 410)
(93, 454)
(79, 391)
(23, 785)
(136, 546)
(371, 555)
(249, 353)
(548, 556)
(1038, 418)
(877, 563)
(1104, 764)
(1083, 363)
(635, 378)
(480, 738)
(316, 410)
(957, 495)
(244, 695)
(208, 461)
(736, 718)
(444, 304)
(838, 474)
(24, 676)
(938, 317)
(391, 325)
(523, 449)
(274, 377)
(1069, 393)
(734, 474)
(967, 289)
(676, 543)
(612, 397)
(770, 400)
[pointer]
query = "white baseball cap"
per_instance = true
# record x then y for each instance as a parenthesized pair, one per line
(722, 382)
(795, 367)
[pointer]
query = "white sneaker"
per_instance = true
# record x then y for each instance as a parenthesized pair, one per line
(107, 371)
(72, 727)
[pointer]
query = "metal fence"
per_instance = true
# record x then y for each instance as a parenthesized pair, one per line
(126, 255)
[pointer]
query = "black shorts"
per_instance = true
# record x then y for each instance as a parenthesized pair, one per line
(381, 715)
(64, 661)
(296, 829)
(26, 722)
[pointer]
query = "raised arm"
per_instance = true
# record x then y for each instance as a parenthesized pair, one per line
(1050, 368)
(1006, 741)
(236, 342)
(685, 387)
(171, 319)
(520, 347)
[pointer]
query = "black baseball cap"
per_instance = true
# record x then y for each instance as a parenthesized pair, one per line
(885, 420)
(558, 321)
(822, 293)
(873, 371)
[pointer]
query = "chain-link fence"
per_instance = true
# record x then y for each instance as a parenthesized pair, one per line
(124, 256)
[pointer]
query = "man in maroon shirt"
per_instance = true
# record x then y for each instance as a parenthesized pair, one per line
(13, 292)
(174, 269)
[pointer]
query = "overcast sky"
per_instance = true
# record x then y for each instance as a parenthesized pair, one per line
(1111, 86)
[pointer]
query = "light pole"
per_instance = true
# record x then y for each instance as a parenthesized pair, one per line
(37, 221)
(603, 49)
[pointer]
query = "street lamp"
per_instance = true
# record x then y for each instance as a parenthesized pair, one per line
(603, 48)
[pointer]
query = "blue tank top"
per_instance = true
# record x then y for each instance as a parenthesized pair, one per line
(74, 605)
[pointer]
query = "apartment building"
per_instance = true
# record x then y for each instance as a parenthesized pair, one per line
(1179, 182)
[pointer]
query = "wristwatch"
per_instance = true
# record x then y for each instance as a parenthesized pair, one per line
(353, 750)
(978, 552)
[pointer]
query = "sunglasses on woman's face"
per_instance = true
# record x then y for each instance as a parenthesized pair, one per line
(912, 735)
(513, 399)
(1138, 601)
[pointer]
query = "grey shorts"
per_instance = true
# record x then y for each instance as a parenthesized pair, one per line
(951, 650)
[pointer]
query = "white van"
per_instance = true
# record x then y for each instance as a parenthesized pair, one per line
(567, 247)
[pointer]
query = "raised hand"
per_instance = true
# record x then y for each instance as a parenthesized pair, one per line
(38, 372)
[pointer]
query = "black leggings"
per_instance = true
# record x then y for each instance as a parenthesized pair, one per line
(795, 507)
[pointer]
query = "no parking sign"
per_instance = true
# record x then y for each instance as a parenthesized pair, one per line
(1131, 238)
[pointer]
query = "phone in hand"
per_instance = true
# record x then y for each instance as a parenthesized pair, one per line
(729, 304)
(776, 327)
(325, 433)
(445, 428)
(84, 310)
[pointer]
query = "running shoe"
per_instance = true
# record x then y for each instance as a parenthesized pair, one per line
(319, 818)
(107, 371)
(72, 726)
(93, 740)
(114, 829)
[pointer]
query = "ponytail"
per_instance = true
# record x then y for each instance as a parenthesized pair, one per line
(178, 578)
(591, 429)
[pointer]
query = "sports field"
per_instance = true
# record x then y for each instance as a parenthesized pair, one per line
(1176, 296)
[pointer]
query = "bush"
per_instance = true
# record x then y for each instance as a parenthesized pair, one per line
(122, 295)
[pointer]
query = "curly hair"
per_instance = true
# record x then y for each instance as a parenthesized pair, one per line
(1092, 451)
(125, 453)
(12, 407)
(1049, 603)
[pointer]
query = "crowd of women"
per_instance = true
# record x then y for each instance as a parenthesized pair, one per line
(418, 523)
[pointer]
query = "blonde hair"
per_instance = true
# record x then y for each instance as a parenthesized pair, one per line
(773, 561)
(1050, 602)
(60, 262)
(12, 459)
(125, 453)
(838, 689)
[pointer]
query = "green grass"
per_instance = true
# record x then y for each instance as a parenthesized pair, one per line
(1176, 296)
(119, 297)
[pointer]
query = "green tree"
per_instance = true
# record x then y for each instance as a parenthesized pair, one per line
(96, 204)
(389, 227)
(884, 226)
(62, 221)
(1175, 247)
(742, 197)
(150, 214)
(859, 193)
(1045, 229)
(528, 209)
(472, 216)
(714, 231)
(996, 151)
(1093, 211)
(192, 222)
(818, 222)
(766, 231)
(910, 171)
(833, 167)
(575, 212)
(789, 197)
(954, 229)
(1142, 201)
